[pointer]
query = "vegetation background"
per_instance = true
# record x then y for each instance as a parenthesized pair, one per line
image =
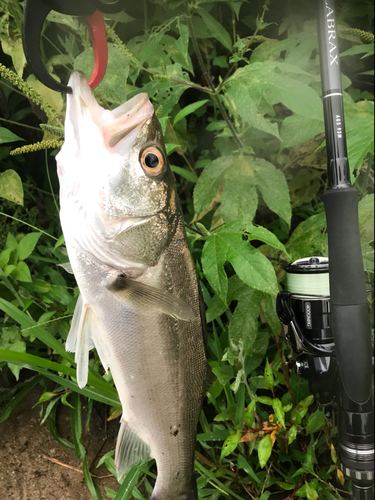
(236, 87)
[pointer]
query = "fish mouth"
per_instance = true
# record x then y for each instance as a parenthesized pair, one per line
(119, 127)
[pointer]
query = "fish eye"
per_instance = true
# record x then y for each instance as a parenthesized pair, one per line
(152, 161)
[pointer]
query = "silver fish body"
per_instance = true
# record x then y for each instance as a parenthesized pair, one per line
(139, 301)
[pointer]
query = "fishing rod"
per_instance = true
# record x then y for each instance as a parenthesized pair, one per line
(325, 309)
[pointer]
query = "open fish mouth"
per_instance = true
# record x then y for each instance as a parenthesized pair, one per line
(119, 127)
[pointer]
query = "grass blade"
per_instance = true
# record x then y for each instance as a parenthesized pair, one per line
(9, 407)
(55, 433)
(76, 427)
(128, 483)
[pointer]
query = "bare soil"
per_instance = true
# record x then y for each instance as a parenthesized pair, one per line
(25, 473)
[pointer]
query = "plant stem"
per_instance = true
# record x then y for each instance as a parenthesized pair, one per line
(211, 86)
(284, 371)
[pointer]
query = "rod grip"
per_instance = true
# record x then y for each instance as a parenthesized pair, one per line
(349, 310)
(346, 272)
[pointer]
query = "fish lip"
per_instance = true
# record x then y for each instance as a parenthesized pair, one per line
(115, 125)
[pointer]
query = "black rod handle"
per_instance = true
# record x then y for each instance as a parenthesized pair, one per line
(349, 310)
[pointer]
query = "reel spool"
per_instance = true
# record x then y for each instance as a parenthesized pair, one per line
(305, 311)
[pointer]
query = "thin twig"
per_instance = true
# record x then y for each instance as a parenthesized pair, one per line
(297, 487)
(21, 124)
(74, 468)
(209, 83)
(194, 230)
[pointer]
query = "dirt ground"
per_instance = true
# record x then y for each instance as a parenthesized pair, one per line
(25, 473)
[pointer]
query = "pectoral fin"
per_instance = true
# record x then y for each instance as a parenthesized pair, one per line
(130, 449)
(86, 333)
(149, 299)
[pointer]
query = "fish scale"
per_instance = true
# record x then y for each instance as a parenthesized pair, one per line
(139, 303)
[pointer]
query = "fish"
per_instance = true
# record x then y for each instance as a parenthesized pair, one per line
(139, 302)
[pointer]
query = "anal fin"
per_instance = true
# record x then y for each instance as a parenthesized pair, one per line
(130, 449)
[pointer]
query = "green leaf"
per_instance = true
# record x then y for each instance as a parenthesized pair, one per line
(292, 434)
(188, 110)
(94, 490)
(359, 129)
(46, 396)
(268, 376)
(242, 104)
(27, 244)
(265, 495)
(309, 238)
(265, 400)
(249, 413)
(11, 186)
(297, 129)
(64, 399)
(230, 444)
(311, 492)
(6, 411)
(272, 184)
(7, 136)
(4, 257)
(129, 481)
(11, 340)
(315, 422)
(216, 29)
(224, 373)
(210, 180)
(243, 464)
(53, 428)
(264, 450)
(243, 325)
(76, 426)
(21, 272)
(186, 174)
(113, 86)
(279, 412)
(253, 268)
(239, 200)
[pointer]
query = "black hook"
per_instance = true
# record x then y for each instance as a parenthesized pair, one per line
(35, 13)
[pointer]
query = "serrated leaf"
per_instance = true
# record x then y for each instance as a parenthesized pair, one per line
(224, 373)
(209, 182)
(309, 238)
(315, 422)
(359, 129)
(188, 110)
(272, 184)
(241, 103)
(297, 129)
(216, 29)
(264, 450)
(27, 244)
(239, 200)
(230, 444)
(21, 272)
(292, 434)
(243, 325)
(253, 268)
(279, 412)
(11, 186)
